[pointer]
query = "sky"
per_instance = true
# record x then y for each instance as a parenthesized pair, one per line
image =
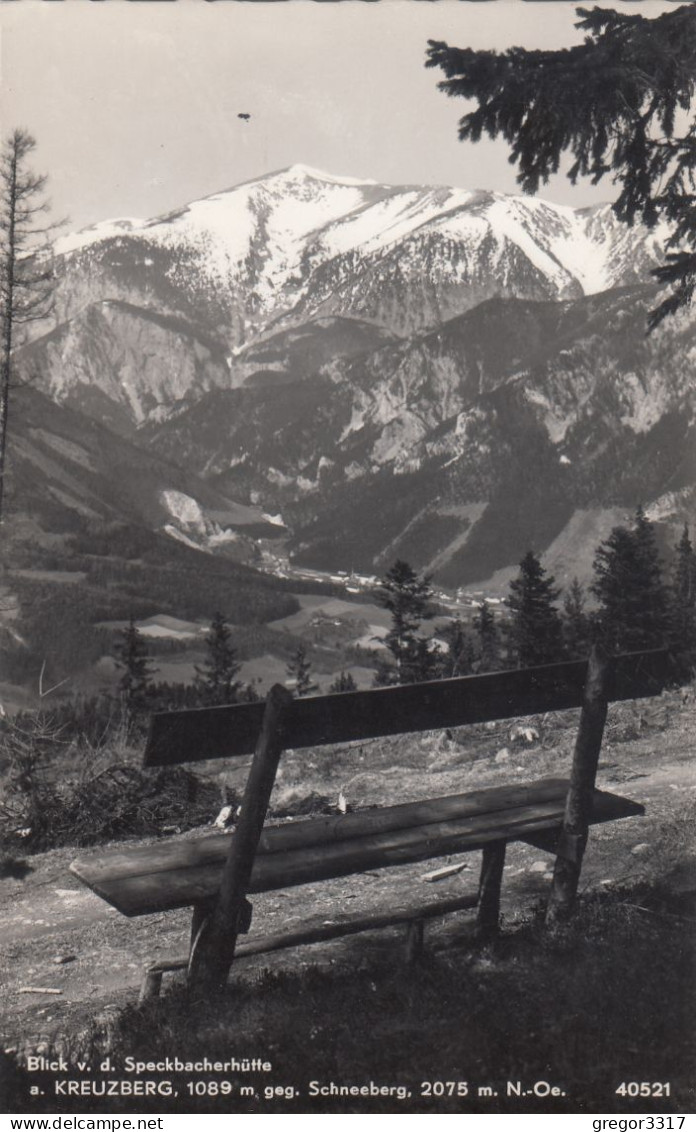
(135, 105)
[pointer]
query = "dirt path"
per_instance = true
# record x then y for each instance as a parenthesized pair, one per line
(58, 935)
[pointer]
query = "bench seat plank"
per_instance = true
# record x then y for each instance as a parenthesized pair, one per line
(211, 848)
(195, 876)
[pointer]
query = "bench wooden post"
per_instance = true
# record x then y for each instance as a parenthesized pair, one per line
(488, 916)
(415, 932)
(212, 952)
(578, 808)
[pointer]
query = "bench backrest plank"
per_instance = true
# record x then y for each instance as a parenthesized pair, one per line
(223, 732)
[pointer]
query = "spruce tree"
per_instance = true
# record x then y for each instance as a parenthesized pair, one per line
(407, 597)
(682, 606)
(215, 678)
(534, 630)
(628, 584)
(249, 694)
(655, 617)
(386, 674)
(488, 639)
(299, 670)
(620, 104)
(131, 655)
(460, 655)
(344, 682)
(423, 664)
(577, 626)
(613, 586)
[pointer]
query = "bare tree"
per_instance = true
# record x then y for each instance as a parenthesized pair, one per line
(26, 270)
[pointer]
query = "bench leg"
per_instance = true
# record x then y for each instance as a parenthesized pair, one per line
(488, 917)
(150, 986)
(213, 954)
(578, 807)
(414, 940)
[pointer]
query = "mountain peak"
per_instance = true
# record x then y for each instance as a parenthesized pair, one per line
(299, 171)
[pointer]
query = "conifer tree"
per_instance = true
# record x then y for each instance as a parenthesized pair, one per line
(26, 274)
(534, 630)
(655, 612)
(133, 660)
(386, 674)
(215, 678)
(628, 584)
(488, 639)
(614, 588)
(249, 694)
(577, 632)
(685, 569)
(424, 662)
(682, 606)
(407, 597)
(620, 104)
(344, 682)
(299, 669)
(460, 656)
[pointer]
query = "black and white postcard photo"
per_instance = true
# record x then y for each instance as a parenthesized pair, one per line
(347, 561)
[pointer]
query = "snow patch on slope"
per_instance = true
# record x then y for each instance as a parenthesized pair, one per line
(356, 422)
(105, 230)
(509, 221)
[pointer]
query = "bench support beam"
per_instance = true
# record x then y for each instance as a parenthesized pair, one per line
(320, 930)
(213, 948)
(578, 808)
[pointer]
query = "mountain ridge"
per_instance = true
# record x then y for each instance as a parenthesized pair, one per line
(313, 345)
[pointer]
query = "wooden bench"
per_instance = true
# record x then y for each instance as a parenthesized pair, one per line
(214, 873)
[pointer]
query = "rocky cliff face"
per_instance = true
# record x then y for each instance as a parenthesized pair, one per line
(123, 364)
(460, 448)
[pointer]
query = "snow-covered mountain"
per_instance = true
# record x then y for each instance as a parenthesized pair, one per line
(292, 238)
(211, 280)
(443, 374)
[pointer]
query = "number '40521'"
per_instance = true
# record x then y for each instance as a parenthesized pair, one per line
(644, 1089)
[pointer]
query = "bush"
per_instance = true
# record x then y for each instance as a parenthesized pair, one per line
(59, 793)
